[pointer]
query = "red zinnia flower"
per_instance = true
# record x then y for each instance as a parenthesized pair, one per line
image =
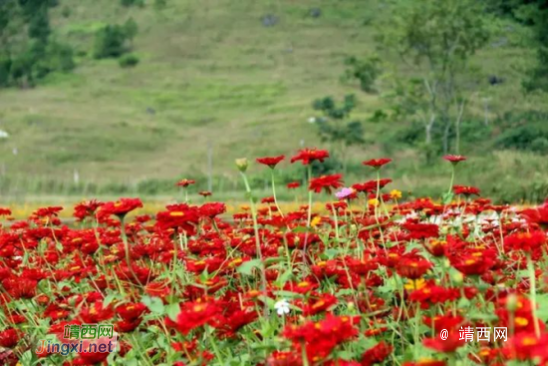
(86, 209)
(377, 163)
(376, 354)
(119, 208)
(194, 315)
(293, 185)
(466, 190)
(271, 161)
(454, 159)
(527, 346)
(326, 182)
(413, 266)
(185, 182)
(445, 346)
(306, 156)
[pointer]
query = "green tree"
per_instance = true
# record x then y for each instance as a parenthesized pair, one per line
(365, 71)
(535, 13)
(114, 40)
(437, 38)
(335, 125)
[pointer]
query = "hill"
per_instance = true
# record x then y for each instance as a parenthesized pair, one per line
(232, 77)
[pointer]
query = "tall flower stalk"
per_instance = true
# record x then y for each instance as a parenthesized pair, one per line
(242, 165)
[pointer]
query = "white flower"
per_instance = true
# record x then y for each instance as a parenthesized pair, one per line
(282, 307)
(312, 120)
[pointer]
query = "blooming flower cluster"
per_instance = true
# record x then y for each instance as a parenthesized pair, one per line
(376, 279)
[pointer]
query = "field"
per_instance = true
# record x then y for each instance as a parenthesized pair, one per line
(402, 223)
(213, 78)
(361, 280)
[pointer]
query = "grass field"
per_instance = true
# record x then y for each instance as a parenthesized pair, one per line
(210, 75)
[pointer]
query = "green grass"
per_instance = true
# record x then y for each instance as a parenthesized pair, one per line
(213, 75)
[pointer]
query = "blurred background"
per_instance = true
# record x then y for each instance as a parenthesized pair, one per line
(105, 98)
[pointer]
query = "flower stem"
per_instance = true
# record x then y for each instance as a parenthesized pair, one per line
(274, 192)
(533, 291)
(257, 238)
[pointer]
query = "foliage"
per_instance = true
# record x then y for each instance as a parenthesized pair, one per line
(114, 40)
(437, 38)
(129, 60)
(526, 131)
(24, 60)
(366, 71)
(132, 2)
(335, 126)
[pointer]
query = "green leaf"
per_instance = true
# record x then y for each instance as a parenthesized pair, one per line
(284, 277)
(447, 198)
(172, 310)
(332, 252)
(542, 302)
(109, 299)
(300, 229)
(246, 268)
(154, 304)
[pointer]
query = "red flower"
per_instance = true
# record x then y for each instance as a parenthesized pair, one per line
(528, 241)
(454, 159)
(278, 358)
(9, 337)
(185, 182)
(527, 346)
(89, 357)
(293, 185)
(320, 338)
(271, 161)
(5, 211)
(194, 315)
(377, 354)
(466, 190)
(86, 209)
(119, 208)
(325, 182)
(538, 215)
(422, 231)
(306, 156)
(377, 163)
(413, 266)
(473, 262)
(204, 193)
(323, 303)
(131, 311)
(448, 345)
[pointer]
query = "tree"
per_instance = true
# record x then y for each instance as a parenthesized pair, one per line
(114, 40)
(366, 71)
(335, 126)
(535, 13)
(436, 38)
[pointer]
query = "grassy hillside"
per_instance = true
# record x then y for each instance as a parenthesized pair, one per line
(211, 74)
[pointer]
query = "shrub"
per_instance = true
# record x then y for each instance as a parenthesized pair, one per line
(132, 2)
(129, 60)
(522, 137)
(110, 41)
(115, 40)
(540, 145)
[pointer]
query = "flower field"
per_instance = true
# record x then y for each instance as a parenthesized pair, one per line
(369, 279)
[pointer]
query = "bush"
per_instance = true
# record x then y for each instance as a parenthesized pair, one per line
(132, 2)
(522, 137)
(115, 40)
(110, 41)
(365, 71)
(129, 60)
(540, 145)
